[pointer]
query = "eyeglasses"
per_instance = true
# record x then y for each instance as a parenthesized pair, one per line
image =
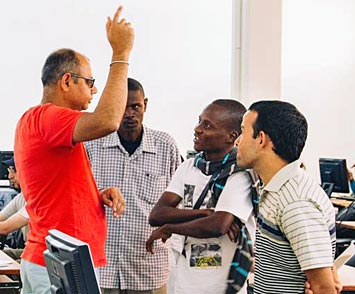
(11, 169)
(89, 81)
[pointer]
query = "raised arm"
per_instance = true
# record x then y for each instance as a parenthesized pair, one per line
(165, 211)
(109, 111)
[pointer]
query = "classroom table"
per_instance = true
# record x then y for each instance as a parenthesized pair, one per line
(8, 266)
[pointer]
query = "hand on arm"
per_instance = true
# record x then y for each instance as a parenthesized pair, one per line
(112, 197)
(109, 111)
(233, 232)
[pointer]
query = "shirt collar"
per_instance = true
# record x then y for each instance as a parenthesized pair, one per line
(147, 144)
(282, 176)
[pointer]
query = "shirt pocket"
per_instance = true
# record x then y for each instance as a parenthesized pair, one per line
(153, 187)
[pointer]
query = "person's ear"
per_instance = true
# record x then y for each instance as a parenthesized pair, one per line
(264, 139)
(65, 81)
(234, 135)
(145, 104)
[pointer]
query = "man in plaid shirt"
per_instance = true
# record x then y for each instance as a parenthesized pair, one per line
(140, 161)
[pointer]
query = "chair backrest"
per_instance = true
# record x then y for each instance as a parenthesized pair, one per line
(2, 241)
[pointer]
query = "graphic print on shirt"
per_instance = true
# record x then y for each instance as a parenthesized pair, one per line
(188, 195)
(189, 200)
(206, 255)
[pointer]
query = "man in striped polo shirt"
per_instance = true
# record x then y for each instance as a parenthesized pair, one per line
(295, 239)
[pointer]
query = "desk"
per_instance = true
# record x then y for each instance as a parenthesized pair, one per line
(13, 268)
(341, 202)
(346, 276)
(346, 224)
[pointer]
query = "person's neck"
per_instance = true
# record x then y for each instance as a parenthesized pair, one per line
(211, 156)
(46, 99)
(268, 167)
(52, 96)
(131, 136)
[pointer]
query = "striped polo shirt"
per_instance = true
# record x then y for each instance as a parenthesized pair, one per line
(296, 231)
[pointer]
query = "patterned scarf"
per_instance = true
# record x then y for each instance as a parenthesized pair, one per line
(244, 254)
(220, 171)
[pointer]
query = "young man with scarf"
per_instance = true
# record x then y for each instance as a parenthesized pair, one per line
(213, 194)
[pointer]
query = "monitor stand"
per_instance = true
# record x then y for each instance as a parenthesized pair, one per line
(328, 188)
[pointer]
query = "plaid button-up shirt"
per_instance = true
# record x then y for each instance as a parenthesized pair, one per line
(142, 178)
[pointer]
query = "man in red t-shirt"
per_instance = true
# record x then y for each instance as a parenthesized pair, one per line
(51, 161)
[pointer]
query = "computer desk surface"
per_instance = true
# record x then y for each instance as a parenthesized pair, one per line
(343, 196)
(8, 265)
(342, 199)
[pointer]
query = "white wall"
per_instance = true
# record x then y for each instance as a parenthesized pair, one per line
(318, 74)
(261, 50)
(182, 55)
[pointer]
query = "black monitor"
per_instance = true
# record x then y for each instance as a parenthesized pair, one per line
(4, 155)
(333, 173)
(69, 265)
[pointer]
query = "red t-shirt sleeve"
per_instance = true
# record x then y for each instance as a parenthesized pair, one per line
(56, 124)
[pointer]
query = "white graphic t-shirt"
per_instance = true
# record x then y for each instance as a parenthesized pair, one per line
(206, 265)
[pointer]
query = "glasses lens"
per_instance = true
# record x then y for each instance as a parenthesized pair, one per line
(90, 82)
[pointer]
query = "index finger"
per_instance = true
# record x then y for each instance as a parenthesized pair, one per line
(117, 14)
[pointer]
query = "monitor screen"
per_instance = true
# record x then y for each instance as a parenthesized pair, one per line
(4, 155)
(69, 265)
(333, 173)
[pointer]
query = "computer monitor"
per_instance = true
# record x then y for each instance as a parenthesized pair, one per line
(333, 173)
(69, 265)
(4, 155)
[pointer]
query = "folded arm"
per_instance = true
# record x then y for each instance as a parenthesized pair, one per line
(214, 225)
(165, 211)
